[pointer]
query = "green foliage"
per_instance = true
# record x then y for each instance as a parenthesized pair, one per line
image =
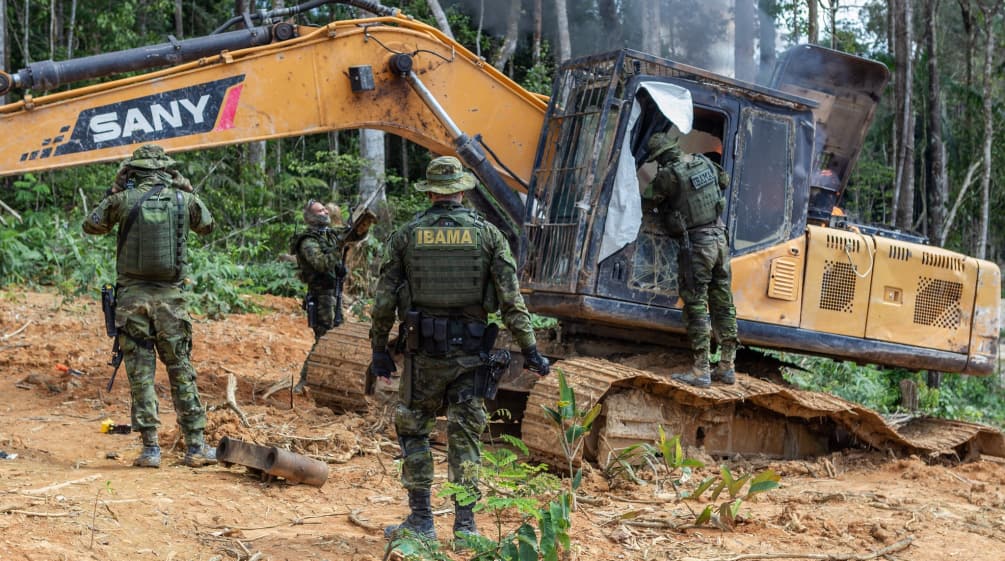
(665, 462)
(514, 488)
(969, 398)
(573, 424)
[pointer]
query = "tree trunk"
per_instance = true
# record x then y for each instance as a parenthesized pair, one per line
(371, 149)
(27, 17)
(179, 28)
(441, 17)
(564, 44)
(69, 33)
(812, 23)
(333, 147)
(650, 29)
(512, 35)
(52, 29)
(536, 47)
(743, 44)
(967, 17)
(766, 38)
(989, 11)
(614, 29)
(904, 77)
(938, 184)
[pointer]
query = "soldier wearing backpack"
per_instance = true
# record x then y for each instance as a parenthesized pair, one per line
(154, 208)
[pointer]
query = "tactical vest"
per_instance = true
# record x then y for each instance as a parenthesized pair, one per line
(444, 260)
(698, 200)
(305, 271)
(154, 245)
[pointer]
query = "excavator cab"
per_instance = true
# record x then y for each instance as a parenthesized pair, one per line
(598, 252)
(598, 256)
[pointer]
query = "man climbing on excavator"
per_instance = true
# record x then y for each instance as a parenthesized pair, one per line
(687, 190)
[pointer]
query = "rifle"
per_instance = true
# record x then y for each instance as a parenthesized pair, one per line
(108, 308)
(339, 283)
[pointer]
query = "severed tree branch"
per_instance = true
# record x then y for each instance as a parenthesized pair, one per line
(232, 399)
(902, 544)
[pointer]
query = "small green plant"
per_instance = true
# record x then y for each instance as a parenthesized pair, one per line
(512, 485)
(669, 465)
(573, 425)
(724, 514)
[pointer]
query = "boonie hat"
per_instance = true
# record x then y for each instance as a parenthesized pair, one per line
(445, 176)
(659, 143)
(150, 156)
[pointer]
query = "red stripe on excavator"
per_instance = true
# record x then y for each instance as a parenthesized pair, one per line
(229, 109)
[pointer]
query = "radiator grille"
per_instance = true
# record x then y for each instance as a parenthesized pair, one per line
(938, 303)
(837, 290)
(950, 262)
(900, 253)
(835, 241)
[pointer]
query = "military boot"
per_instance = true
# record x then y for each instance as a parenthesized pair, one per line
(464, 519)
(198, 455)
(419, 521)
(150, 457)
(725, 371)
(699, 374)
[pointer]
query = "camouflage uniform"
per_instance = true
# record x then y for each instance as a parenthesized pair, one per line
(151, 312)
(688, 181)
(448, 376)
(320, 260)
(319, 256)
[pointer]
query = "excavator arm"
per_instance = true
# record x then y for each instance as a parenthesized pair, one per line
(319, 79)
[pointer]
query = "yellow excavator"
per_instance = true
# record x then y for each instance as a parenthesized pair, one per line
(562, 176)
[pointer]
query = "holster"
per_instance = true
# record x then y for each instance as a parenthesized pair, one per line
(410, 330)
(495, 364)
(310, 305)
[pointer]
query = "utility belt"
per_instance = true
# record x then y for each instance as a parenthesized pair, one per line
(322, 281)
(435, 336)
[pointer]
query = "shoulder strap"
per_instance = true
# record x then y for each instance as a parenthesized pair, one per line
(133, 213)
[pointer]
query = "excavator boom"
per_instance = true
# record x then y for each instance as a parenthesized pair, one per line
(320, 79)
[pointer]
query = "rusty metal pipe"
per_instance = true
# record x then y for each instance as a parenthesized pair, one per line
(233, 451)
(296, 468)
(274, 461)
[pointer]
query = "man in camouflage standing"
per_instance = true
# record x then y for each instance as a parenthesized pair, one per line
(320, 252)
(443, 273)
(687, 191)
(154, 208)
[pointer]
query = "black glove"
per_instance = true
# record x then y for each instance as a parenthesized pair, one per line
(381, 364)
(533, 361)
(340, 270)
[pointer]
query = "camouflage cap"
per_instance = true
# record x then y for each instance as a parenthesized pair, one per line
(150, 156)
(659, 143)
(445, 176)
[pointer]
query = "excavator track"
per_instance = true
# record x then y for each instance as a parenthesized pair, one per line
(336, 369)
(753, 416)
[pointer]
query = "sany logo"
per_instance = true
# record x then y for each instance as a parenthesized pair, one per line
(171, 114)
(107, 126)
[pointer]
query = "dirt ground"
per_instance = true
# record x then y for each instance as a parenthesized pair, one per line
(71, 492)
